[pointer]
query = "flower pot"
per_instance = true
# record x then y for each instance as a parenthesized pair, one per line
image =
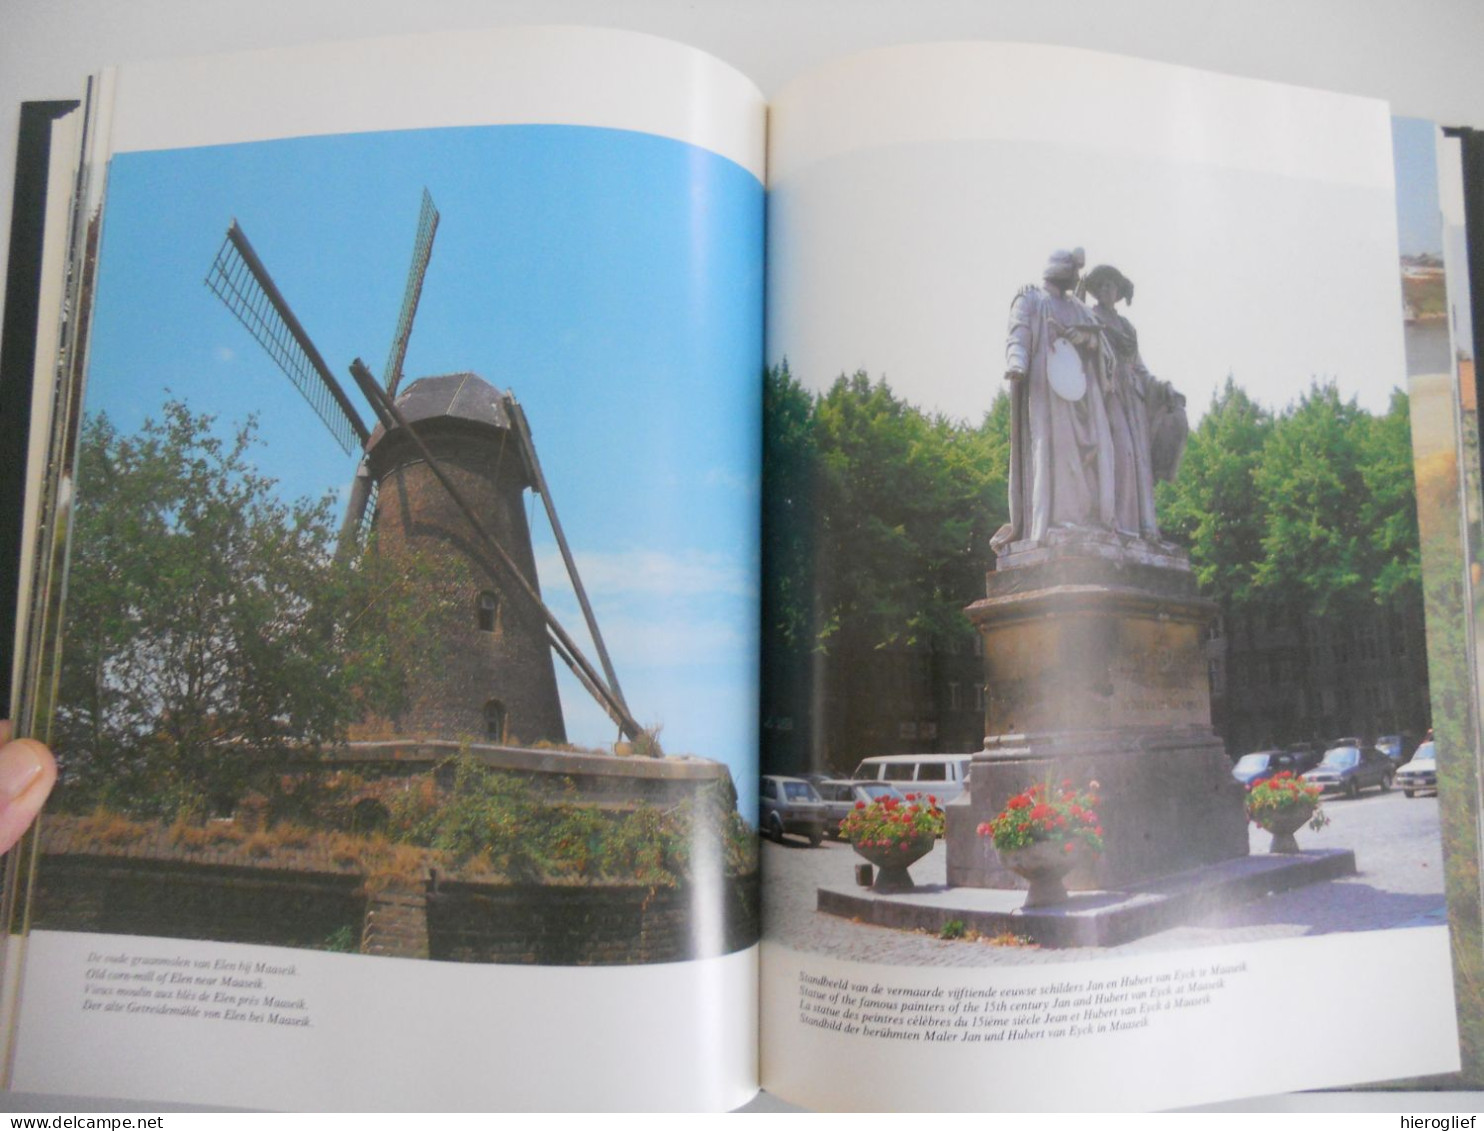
(893, 860)
(1284, 823)
(1044, 866)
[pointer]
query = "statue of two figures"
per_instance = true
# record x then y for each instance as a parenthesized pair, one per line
(1092, 429)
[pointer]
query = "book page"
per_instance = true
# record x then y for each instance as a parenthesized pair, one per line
(1440, 357)
(331, 807)
(1076, 583)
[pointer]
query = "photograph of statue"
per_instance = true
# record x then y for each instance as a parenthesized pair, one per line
(1022, 538)
(1092, 429)
(1145, 415)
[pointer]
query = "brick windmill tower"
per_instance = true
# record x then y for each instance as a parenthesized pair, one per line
(443, 477)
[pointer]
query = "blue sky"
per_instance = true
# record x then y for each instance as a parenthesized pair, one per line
(612, 280)
(1419, 216)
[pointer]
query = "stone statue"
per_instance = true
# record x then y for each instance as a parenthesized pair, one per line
(1092, 429)
(1146, 417)
(1061, 450)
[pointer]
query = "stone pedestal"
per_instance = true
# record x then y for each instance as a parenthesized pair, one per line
(1095, 671)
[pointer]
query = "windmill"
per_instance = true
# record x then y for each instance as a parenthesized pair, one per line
(442, 473)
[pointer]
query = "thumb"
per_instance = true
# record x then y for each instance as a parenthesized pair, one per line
(27, 773)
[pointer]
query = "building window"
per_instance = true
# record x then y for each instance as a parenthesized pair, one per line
(494, 720)
(953, 695)
(487, 609)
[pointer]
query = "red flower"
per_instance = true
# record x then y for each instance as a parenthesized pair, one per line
(860, 804)
(1069, 847)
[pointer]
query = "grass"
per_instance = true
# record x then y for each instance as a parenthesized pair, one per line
(103, 828)
(1008, 938)
(956, 930)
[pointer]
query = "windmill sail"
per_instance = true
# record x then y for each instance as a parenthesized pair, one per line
(362, 502)
(240, 280)
(523, 432)
(422, 251)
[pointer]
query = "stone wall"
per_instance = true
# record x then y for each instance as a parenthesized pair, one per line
(199, 901)
(568, 776)
(525, 924)
(587, 925)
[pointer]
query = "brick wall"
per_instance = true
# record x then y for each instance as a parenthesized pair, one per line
(525, 924)
(198, 901)
(587, 925)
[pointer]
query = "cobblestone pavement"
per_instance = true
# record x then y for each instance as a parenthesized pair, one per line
(1398, 853)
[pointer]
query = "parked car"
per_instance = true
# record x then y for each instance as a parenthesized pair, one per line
(790, 805)
(840, 798)
(1305, 756)
(1350, 768)
(1253, 768)
(1421, 773)
(945, 776)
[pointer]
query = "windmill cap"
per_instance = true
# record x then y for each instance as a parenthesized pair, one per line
(455, 396)
(451, 406)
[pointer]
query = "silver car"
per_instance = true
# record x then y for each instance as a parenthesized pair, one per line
(1421, 773)
(840, 798)
(790, 805)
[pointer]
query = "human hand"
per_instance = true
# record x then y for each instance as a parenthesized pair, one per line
(1082, 337)
(27, 773)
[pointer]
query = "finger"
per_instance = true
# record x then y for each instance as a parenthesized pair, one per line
(5, 731)
(27, 773)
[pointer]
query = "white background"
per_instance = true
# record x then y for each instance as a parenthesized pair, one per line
(1423, 57)
(913, 192)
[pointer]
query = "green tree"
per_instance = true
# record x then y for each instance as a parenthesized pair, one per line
(906, 505)
(877, 521)
(1214, 506)
(788, 511)
(1390, 510)
(210, 634)
(1317, 554)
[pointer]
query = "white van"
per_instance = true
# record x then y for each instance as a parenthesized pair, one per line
(945, 776)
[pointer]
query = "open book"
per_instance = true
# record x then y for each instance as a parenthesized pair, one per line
(819, 428)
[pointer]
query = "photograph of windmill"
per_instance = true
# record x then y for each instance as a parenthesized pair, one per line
(310, 690)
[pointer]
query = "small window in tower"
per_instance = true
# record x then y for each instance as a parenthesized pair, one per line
(489, 611)
(494, 720)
